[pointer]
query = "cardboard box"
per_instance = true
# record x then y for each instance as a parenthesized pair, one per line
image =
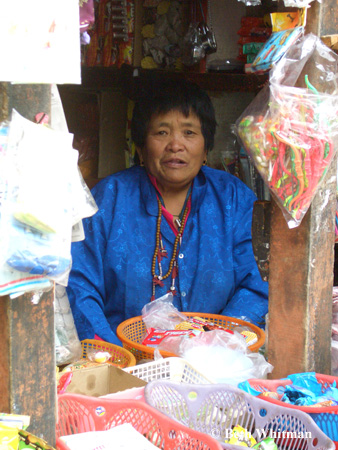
(102, 380)
(331, 41)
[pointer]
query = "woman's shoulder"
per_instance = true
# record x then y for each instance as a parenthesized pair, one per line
(222, 177)
(123, 177)
(227, 184)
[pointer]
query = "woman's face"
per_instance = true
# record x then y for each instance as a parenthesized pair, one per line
(174, 150)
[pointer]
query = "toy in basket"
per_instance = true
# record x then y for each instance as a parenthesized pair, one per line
(30, 441)
(172, 368)
(79, 414)
(96, 351)
(216, 409)
(132, 331)
(326, 417)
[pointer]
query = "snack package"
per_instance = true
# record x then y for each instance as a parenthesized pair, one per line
(273, 50)
(286, 20)
(155, 337)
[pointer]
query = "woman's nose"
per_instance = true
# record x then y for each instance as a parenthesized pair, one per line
(175, 143)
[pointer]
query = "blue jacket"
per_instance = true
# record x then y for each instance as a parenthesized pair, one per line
(111, 279)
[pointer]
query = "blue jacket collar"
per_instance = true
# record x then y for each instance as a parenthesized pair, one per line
(148, 192)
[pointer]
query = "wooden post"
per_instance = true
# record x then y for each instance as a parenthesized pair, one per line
(301, 266)
(27, 363)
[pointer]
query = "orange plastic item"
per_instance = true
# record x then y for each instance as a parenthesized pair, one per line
(80, 413)
(132, 331)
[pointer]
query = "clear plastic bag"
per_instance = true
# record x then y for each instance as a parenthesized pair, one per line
(220, 356)
(162, 314)
(291, 133)
(67, 344)
(36, 211)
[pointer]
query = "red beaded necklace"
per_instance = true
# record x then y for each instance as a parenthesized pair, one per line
(160, 252)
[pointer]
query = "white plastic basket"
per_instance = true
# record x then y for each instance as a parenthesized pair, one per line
(172, 368)
(215, 409)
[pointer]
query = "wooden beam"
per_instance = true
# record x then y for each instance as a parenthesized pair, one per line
(27, 364)
(301, 268)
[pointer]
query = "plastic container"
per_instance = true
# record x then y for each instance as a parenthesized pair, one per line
(216, 409)
(120, 356)
(79, 413)
(172, 368)
(325, 417)
(131, 332)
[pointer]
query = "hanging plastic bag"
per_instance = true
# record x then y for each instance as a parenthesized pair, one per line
(291, 133)
(67, 344)
(36, 211)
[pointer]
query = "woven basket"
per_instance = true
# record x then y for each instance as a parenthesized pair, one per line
(132, 331)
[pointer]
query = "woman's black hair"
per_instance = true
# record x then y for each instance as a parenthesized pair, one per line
(162, 96)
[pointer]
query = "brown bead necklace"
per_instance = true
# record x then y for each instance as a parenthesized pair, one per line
(160, 252)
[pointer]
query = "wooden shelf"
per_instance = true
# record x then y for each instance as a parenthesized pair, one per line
(128, 78)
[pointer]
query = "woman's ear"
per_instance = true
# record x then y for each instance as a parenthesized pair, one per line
(140, 157)
(205, 162)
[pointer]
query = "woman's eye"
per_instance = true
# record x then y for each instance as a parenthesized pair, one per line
(189, 132)
(161, 132)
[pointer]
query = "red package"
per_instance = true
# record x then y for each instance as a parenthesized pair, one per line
(155, 336)
(252, 21)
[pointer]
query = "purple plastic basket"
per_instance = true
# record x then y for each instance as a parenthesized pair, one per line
(216, 408)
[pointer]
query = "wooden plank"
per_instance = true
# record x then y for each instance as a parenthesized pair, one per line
(300, 282)
(301, 271)
(27, 368)
(28, 365)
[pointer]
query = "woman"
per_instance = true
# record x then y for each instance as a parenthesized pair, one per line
(168, 224)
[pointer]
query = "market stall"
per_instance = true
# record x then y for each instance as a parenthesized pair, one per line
(300, 279)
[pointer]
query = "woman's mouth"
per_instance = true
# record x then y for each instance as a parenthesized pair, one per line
(175, 163)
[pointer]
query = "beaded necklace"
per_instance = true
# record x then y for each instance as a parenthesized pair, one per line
(160, 252)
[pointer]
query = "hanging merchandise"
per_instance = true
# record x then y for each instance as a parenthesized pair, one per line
(87, 15)
(298, 3)
(42, 197)
(291, 133)
(36, 217)
(200, 39)
(287, 27)
(273, 50)
(112, 35)
(251, 2)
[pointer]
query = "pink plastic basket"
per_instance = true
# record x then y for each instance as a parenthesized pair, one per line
(216, 408)
(325, 417)
(80, 413)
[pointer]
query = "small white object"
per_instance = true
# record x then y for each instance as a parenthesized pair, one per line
(121, 437)
(101, 357)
